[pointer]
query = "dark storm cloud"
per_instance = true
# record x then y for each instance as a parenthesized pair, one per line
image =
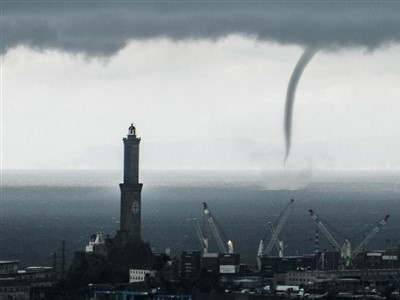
(103, 28)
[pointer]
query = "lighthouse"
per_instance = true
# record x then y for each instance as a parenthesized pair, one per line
(126, 250)
(131, 189)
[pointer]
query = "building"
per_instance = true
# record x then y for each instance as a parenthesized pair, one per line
(23, 284)
(8, 267)
(229, 263)
(190, 264)
(210, 262)
(38, 276)
(380, 259)
(390, 259)
(10, 288)
(271, 265)
(375, 277)
(138, 275)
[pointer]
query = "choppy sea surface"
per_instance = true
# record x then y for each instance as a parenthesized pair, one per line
(39, 209)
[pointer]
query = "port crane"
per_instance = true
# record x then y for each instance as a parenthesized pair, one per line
(275, 231)
(369, 236)
(278, 243)
(203, 240)
(346, 253)
(218, 233)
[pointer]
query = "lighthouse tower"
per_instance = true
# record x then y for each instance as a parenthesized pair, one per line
(131, 188)
(126, 250)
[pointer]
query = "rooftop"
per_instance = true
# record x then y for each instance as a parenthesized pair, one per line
(5, 262)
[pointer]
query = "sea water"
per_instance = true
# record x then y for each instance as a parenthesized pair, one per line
(39, 209)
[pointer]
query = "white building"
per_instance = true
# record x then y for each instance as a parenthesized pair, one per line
(138, 275)
(8, 266)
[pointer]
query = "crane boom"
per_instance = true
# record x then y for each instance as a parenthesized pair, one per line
(216, 230)
(328, 235)
(281, 222)
(203, 240)
(370, 236)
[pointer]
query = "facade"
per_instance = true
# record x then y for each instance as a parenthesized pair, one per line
(229, 263)
(131, 189)
(20, 284)
(190, 264)
(387, 259)
(10, 288)
(271, 265)
(376, 277)
(138, 275)
(8, 266)
(38, 277)
(210, 262)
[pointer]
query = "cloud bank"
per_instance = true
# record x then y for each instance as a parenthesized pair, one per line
(104, 28)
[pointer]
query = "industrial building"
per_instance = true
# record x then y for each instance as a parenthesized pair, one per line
(375, 278)
(25, 283)
(190, 264)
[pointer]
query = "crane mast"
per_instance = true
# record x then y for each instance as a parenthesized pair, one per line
(278, 243)
(344, 250)
(203, 240)
(217, 231)
(264, 248)
(328, 235)
(284, 215)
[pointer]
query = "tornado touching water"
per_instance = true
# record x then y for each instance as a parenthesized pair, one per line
(291, 93)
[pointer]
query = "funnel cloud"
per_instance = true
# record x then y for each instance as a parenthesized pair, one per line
(291, 94)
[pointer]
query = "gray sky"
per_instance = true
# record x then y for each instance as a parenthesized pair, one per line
(204, 83)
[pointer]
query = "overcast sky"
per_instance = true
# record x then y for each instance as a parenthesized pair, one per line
(205, 85)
